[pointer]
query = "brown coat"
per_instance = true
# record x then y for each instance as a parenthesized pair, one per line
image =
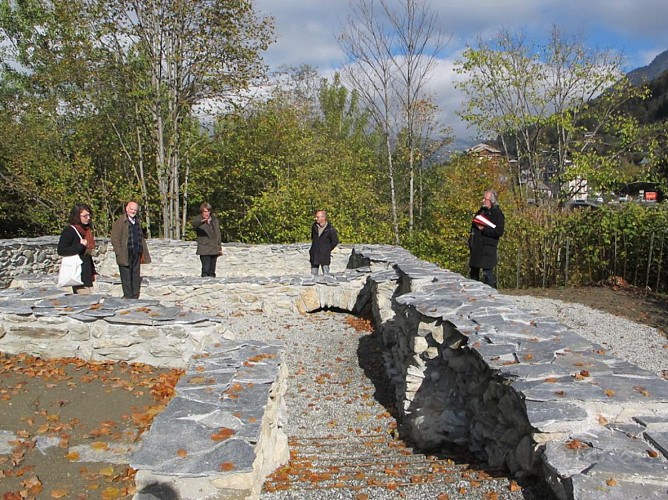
(208, 235)
(119, 240)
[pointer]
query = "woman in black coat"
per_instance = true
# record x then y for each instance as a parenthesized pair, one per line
(78, 239)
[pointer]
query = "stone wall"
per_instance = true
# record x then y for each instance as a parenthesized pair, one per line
(520, 390)
(25, 256)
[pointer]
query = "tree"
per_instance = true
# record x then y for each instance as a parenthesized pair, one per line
(391, 54)
(273, 164)
(539, 101)
(370, 71)
(195, 51)
(419, 43)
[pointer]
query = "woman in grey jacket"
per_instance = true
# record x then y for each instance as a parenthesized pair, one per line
(208, 239)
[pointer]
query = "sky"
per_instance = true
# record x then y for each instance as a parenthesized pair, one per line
(307, 32)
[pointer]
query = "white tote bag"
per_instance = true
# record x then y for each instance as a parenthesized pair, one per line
(70, 269)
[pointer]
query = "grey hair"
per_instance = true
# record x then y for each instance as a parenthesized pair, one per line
(493, 197)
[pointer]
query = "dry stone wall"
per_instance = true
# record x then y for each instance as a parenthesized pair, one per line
(468, 367)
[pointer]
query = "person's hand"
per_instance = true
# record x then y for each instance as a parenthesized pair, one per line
(480, 227)
(84, 242)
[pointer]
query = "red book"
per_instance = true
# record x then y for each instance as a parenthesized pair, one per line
(483, 221)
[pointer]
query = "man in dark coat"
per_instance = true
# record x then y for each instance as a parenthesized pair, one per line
(486, 229)
(323, 240)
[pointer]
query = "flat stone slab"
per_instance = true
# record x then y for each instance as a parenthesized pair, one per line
(213, 423)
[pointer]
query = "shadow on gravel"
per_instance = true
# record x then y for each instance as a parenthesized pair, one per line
(370, 359)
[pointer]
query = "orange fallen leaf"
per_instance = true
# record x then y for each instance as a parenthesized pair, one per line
(652, 453)
(72, 456)
(576, 444)
(111, 493)
(609, 392)
(182, 453)
(223, 433)
(226, 466)
(59, 493)
(611, 482)
(33, 484)
(99, 445)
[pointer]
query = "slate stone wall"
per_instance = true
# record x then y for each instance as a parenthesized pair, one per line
(469, 367)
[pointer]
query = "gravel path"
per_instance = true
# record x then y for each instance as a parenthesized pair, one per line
(334, 387)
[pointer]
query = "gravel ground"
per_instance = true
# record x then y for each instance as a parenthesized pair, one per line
(335, 390)
(622, 338)
(330, 392)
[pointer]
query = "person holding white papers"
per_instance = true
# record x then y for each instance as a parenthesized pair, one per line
(486, 229)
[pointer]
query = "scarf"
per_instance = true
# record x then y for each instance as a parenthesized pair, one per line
(86, 232)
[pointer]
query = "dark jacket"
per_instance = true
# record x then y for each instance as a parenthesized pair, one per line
(321, 246)
(70, 244)
(120, 233)
(483, 243)
(208, 235)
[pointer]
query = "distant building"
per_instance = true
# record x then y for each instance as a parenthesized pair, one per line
(483, 149)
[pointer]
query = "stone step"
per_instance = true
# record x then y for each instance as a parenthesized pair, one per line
(329, 466)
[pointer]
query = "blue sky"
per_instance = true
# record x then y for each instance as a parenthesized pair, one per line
(307, 32)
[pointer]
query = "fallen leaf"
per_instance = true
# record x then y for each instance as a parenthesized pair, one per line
(60, 493)
(182, 453)
(223, 433)
(110, 493)
(107, 471)
(576, 444)
(611, 482)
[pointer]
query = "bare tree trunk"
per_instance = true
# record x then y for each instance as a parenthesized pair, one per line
(393, 191)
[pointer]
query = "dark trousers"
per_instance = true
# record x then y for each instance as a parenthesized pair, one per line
(487, 276)
(208, 265)
(131, 277)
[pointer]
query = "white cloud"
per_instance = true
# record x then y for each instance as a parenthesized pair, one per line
(307, 32)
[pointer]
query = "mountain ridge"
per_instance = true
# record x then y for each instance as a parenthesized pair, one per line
(652, 71)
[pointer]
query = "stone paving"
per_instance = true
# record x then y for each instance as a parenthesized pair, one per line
(519, 389)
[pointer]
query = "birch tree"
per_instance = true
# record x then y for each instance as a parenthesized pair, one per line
(195, 51)
(419, 41)
(391, 54)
